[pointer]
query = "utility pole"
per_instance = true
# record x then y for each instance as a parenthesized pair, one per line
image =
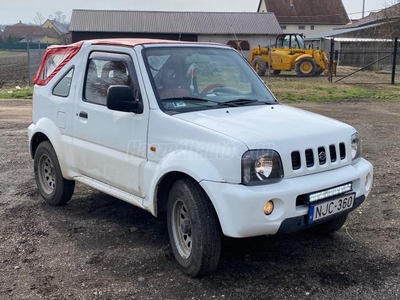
(363, 11)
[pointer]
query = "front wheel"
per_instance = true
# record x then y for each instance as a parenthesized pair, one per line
(330, 226)
(305, 67)
(193, 228)
(53, 187)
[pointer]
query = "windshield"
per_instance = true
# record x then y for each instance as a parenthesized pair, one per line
(301, 42)
(199, 78)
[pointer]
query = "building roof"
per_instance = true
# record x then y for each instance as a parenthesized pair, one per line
(387, 14)
(340, 31)
(314, 12)
(61, 28)
(19, 30)
(174, 22)
(49, 32)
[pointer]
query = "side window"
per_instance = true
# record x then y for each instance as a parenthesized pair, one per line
(286, 42)
(294, 44)
(52, 62)
(63, 86)
(100, 75)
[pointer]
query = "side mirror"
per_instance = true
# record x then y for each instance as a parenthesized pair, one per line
(121, 98)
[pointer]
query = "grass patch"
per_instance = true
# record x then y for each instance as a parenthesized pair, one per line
(312, 89)
(13, 93)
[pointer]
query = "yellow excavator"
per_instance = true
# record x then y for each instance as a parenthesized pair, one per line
(289, 53)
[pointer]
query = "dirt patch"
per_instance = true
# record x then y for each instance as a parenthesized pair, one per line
(98, 247)
(13, 69)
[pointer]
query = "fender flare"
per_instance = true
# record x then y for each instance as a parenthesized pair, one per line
(304, 56)
(189, 163)
(47, 127)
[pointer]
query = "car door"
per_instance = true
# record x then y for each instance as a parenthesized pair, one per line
(109, 146)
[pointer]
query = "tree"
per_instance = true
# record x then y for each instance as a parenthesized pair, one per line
(59, 16)
(38, 19)
(391, 15)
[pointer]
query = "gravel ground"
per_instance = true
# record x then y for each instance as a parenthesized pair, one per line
(98, 247)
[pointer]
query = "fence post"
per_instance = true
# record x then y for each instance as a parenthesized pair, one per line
(394, 59)
(331, 55)
(29, 60)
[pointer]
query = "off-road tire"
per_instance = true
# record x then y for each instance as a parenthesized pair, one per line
(259, 65)
(329, 226)
(305, 67)
(53, 187)
(193, 228)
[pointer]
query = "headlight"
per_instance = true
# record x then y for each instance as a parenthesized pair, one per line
(261, 167)
(355, 146)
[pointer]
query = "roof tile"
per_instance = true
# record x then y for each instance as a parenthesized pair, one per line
(315, 12)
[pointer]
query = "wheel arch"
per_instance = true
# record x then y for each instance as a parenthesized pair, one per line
(36, 139)
(164, 186)
(46, 130)
(304, 56)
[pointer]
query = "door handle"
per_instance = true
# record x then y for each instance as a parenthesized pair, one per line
(83, 114)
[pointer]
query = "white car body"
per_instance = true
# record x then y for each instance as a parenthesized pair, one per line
(127, 155)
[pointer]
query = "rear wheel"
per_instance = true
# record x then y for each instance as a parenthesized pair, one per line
(330, 226)
(305, 67)
(55, 189)
(259, 65)
(193, 228)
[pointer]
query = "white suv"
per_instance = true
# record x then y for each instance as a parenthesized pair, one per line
(190, 129)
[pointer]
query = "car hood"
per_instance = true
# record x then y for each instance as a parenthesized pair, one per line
(259, 126)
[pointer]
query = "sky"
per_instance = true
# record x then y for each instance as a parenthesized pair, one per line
(13, 11)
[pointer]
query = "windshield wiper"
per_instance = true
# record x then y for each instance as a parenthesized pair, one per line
(186, 99)
(194, 99)
(240, 102)
(231, 103)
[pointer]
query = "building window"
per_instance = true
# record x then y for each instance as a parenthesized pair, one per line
(239, 45)
(283, 27)
(312, 27)
(302, 27)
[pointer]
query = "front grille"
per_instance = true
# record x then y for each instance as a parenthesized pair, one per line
(342, 150)
(332, 152)
(309, 158)
(323, 155)
(296, 160)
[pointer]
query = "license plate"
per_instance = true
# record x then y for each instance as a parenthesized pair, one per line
(329, 208)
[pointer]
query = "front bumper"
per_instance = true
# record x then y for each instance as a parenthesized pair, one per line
(240, 207)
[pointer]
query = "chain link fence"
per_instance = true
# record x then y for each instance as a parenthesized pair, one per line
(19, 63)
(379, 56)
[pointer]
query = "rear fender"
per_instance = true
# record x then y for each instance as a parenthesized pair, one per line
(47, 127)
